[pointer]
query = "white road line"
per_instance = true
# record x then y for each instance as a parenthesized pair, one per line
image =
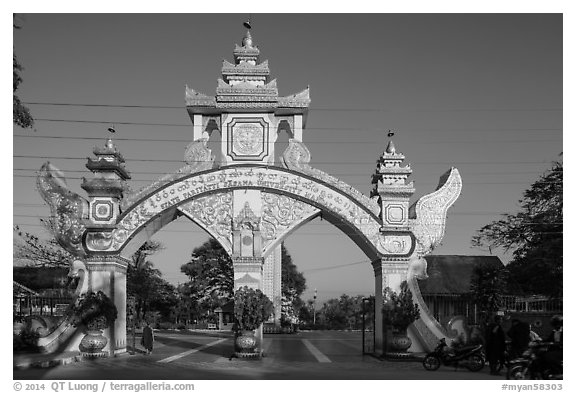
(316, 352)
(191, 351)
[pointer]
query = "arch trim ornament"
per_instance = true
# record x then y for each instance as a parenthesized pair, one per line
(352, 214)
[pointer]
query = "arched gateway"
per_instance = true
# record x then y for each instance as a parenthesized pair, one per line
(246, 201)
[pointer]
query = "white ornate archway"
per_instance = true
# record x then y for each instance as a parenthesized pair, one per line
(248, 202)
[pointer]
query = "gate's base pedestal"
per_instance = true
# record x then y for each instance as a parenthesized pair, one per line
(398, 355)
(243, 355)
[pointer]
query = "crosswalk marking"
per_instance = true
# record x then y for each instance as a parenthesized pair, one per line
(316, 352)
(191, 351)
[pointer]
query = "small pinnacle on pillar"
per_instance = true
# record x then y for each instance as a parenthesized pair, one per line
(247, 23)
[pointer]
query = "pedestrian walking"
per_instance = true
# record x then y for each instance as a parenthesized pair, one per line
(495, 345)
(556, 337)
(148, 338)
(519, 334)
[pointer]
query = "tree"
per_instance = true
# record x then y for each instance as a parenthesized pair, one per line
(145, 284)
(534, 235)
(211, 282)
(293, 285)
(342, 313)
(211, 276)
(487, 285)
(399, 309)
(21, 114)
(38, 252)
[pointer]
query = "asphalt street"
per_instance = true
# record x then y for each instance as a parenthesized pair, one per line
(317, 355)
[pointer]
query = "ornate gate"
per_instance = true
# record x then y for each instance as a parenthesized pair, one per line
(246, 201)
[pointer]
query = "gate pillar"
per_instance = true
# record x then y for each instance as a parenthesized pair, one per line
(247, 245)
(272, 282)
(108, 274)
(387, 273)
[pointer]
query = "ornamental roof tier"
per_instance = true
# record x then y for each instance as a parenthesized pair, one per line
(245, 86)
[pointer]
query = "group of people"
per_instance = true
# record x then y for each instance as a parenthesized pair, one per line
(521, 335)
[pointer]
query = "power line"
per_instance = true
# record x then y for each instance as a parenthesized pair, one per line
(338, 174)
(148, 180)
(318, 269)
(308, 142)
(316, 162)
(307, 128)
(310, 109)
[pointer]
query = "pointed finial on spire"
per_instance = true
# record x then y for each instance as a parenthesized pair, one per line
(109, 143)
(247, 41)
(247, 23)
(390, 134)
(391, 149)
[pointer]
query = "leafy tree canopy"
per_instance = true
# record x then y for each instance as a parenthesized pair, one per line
(533, 235)
(211, 282)
(341, 313)
(293, 285)
(211, 276)
(21, 114)
(487, 286)
(146, 285)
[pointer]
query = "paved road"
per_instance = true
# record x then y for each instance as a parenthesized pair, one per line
(303, 356)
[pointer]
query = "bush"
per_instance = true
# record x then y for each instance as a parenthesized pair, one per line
(251, 308)
(26, 340)
(399, 310)
(164, 325)
(95, 310)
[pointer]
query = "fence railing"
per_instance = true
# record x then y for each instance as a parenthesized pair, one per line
(445, 306)
(39, 305)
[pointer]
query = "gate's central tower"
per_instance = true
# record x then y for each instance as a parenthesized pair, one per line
(249, 115)
(247, 109)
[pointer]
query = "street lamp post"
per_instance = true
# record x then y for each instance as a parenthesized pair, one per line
(314, 308)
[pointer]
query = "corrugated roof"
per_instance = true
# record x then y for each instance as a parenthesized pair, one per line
(19, 288)
(450, 274)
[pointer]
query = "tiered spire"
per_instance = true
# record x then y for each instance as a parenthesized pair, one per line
(392, 186)
(246, 79)
(109, 171)
(246, 84)
(390, 173)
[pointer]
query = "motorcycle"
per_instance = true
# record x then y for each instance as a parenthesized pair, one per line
(534, 365)
(468, 356)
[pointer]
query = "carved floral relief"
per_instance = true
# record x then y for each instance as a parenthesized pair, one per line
(280, 213)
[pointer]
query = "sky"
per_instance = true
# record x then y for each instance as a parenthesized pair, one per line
(479, 92)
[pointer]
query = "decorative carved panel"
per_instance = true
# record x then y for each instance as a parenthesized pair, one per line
(213, 213)
(280, 214)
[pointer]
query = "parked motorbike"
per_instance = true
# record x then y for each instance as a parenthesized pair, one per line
(533, 364)
(467, 356)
